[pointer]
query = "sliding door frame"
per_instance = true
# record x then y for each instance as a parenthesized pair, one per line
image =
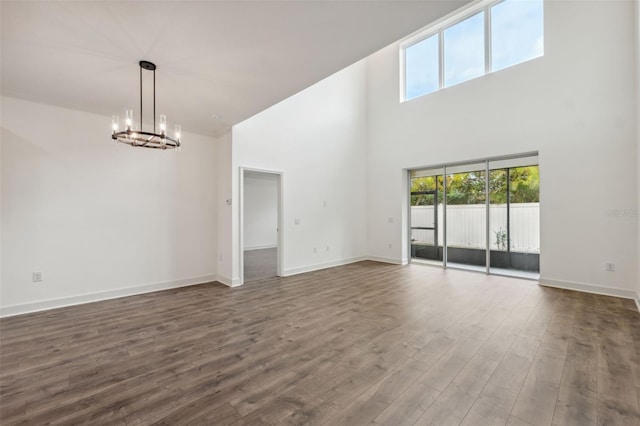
(487, 205)
(444, 167)
(444, 216)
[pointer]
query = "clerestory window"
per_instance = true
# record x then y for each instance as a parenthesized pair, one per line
(486, 37)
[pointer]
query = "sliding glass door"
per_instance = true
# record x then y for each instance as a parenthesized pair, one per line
(426, 215)
(466, 217)
(515, 217)
(482, 216)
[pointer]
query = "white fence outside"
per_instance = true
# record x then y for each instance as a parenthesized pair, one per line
(466, 225)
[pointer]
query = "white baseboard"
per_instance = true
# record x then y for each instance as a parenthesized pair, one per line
(388, 260)
(268, 246)
(588, 288)
(318, 266)
(229, 282)
(8, 311)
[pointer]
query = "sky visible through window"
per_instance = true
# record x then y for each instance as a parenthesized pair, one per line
(464, 50)
(517, 35)
(517, 32)
(422, 67)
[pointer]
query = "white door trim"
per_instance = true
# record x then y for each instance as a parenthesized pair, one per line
(280, 260)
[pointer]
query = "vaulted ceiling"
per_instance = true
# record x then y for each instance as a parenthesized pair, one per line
(218, 62)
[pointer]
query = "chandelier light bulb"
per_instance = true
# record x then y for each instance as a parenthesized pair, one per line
(129, 119)
(163, 124)
(178, 134)
(115, 123)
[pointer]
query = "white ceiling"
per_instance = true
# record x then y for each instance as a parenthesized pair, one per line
(231, 59)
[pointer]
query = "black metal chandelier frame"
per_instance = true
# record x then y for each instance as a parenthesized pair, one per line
(142, 138)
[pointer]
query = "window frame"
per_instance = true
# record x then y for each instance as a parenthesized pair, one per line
(438, 27)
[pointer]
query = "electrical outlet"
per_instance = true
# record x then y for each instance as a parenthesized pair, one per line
(327, 248)
(315, 250)
(36, 277)
(390, 245)
(610, 267)
(296, 221)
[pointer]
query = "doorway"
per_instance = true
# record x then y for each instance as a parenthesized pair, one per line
(260, 225)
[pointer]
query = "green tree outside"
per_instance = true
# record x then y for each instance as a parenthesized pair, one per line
(468, 188)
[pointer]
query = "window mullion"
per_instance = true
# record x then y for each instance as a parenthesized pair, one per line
(487, 40)
(441, 58)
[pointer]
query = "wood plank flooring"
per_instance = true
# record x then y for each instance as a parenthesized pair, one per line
(366, 343)
(260, 263)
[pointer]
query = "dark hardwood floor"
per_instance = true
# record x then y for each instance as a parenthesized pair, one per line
(358, 344)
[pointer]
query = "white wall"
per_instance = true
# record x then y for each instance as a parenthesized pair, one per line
(638, 138)
(317, 139)
(1, 192)
(225, 210)
(260, 211)
(99, 220)
(575, 105)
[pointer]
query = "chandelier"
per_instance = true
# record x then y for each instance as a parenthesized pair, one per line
(133, 136)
